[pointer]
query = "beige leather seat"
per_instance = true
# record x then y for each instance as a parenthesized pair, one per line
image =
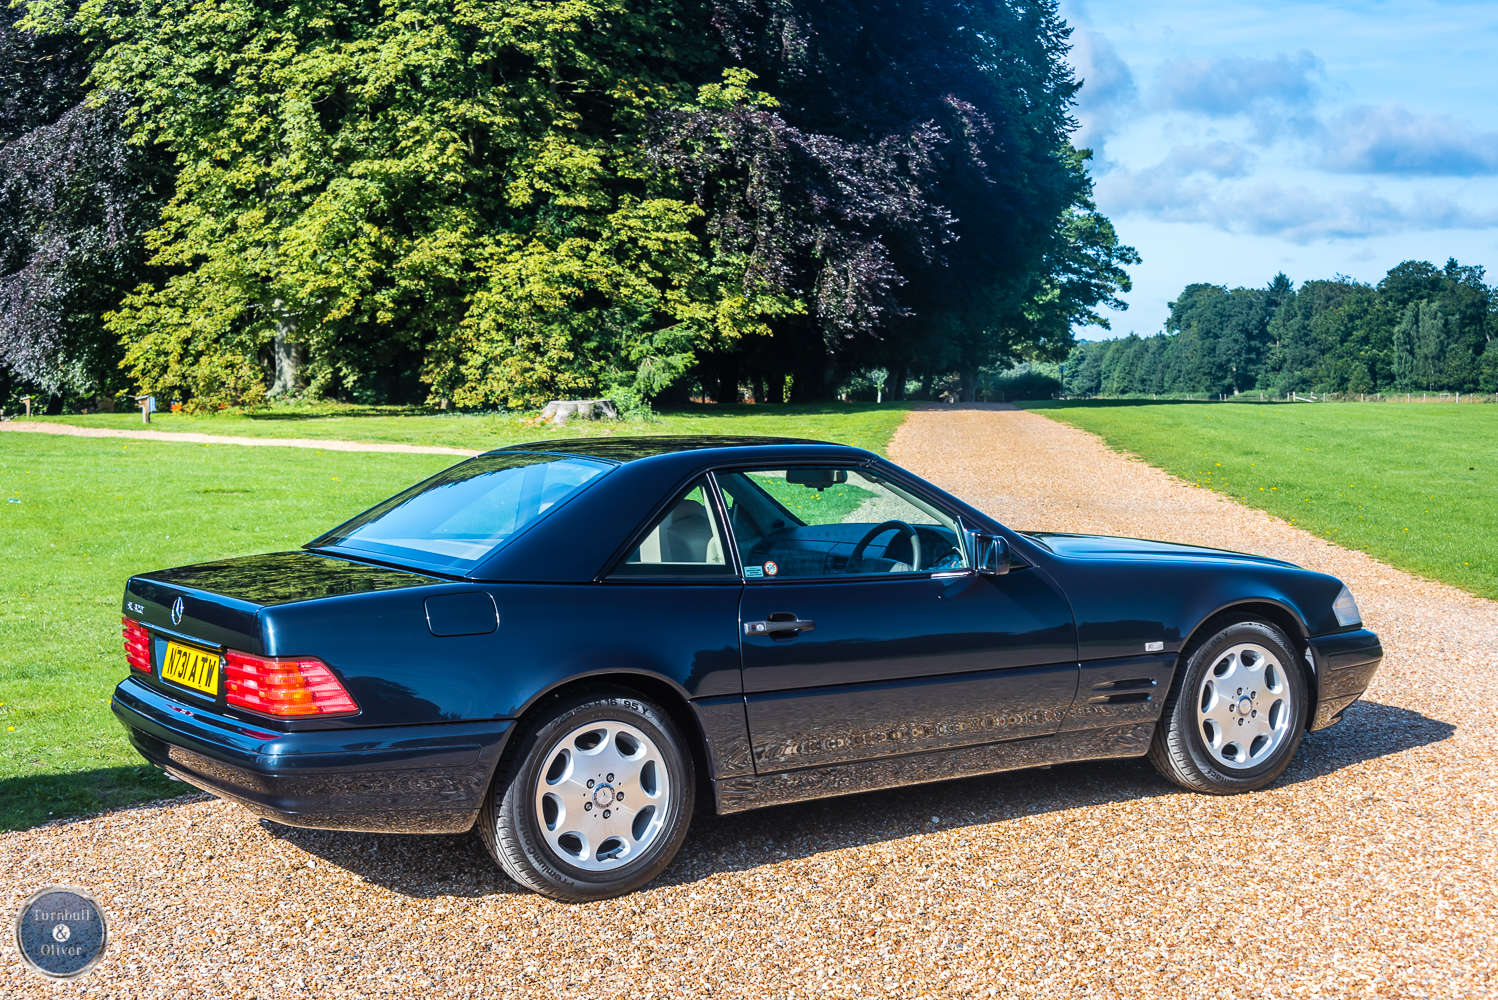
(686, 534)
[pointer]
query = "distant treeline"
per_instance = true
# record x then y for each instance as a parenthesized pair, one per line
(1422, 328)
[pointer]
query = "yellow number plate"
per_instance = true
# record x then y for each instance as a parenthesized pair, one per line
(194, 668)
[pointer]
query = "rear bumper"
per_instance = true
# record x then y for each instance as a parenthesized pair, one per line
(398, 779)
(1345, 664)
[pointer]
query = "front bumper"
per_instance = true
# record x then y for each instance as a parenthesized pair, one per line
(396, 779)
(1344, 665)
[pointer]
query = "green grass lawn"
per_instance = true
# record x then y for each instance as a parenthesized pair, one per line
(866, 425)
(79, 515)
(1414, 485)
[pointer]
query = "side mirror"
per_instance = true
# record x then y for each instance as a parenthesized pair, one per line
(990, 555)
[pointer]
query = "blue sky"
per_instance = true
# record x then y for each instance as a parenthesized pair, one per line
(1233, 140)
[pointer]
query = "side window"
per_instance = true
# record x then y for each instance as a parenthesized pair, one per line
(686, 542)
(819, 522)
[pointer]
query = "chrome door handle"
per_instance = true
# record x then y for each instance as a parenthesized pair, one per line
(765, 628)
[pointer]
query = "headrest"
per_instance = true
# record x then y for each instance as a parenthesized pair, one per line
(687, 508)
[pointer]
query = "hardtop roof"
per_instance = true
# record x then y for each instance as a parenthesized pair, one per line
(629, 449)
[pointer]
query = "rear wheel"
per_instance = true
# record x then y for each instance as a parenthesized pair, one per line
(1236, 710)
(594, 798)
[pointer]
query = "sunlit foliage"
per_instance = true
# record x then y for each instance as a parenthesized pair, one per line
(499, 203)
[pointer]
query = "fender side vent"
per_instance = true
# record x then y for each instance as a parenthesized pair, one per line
(1124, 699)
(1122, 692)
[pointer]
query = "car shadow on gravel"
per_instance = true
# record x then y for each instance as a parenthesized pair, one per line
(1368, 730)
(422, 866)
(748, 840)
(431, 866)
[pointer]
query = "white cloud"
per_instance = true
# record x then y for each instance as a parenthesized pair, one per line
(1169, 193)
(1221, 88)
(1394, 140)
(1178, 186)
(1219, 159)
(1108, 96)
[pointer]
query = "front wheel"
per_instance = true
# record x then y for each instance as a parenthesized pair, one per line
(1236, 712)
(594, 799)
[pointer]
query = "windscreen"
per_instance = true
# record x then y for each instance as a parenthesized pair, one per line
(455, 519)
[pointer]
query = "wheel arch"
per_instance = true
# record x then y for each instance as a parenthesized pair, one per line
(658, 689)
(1282, 616)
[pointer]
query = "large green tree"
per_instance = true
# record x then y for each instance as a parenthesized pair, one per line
(913, 185)
(502, 201)
(451, 186)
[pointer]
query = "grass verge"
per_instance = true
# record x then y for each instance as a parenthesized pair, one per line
(1413, 485)
(79, 515)
(864, 425)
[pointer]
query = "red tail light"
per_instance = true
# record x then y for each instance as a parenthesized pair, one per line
(137, 644)
(284, 686)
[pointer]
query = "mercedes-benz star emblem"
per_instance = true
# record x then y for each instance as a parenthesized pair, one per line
(177, 611)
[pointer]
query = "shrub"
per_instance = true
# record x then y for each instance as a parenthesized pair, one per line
(1026, 385)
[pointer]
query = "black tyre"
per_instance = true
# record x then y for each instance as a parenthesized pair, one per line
(593, 797)
(1236, 710)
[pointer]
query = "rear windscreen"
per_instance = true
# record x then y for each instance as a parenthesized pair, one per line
(454, 520)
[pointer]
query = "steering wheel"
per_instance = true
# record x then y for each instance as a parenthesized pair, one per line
(879, 529)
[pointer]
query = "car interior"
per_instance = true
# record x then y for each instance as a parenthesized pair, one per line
(683, 542)
(881, 530)
(684, 535)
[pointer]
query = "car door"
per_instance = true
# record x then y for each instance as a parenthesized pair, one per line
(673, 608)
(865, 632)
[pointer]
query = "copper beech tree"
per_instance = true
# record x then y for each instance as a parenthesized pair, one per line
(75, 200)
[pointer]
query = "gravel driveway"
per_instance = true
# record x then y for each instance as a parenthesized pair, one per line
(1368, 870)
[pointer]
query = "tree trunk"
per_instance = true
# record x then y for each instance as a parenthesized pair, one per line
(829, 376)
(969, 386)
(759, 387)
(806, 384)
(775, 388)
(727, 372)
(927, 380)
(286, 356)
(897, 384)
(813, 381)
(288, 363)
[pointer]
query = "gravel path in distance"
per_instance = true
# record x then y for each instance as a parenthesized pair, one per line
(195, 437)
(1368, 870)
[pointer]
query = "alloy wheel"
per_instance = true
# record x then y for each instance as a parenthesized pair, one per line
(1244, 707)
(602, 795)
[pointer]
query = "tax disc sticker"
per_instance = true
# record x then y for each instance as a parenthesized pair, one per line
(60, 932)
(771, 569)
